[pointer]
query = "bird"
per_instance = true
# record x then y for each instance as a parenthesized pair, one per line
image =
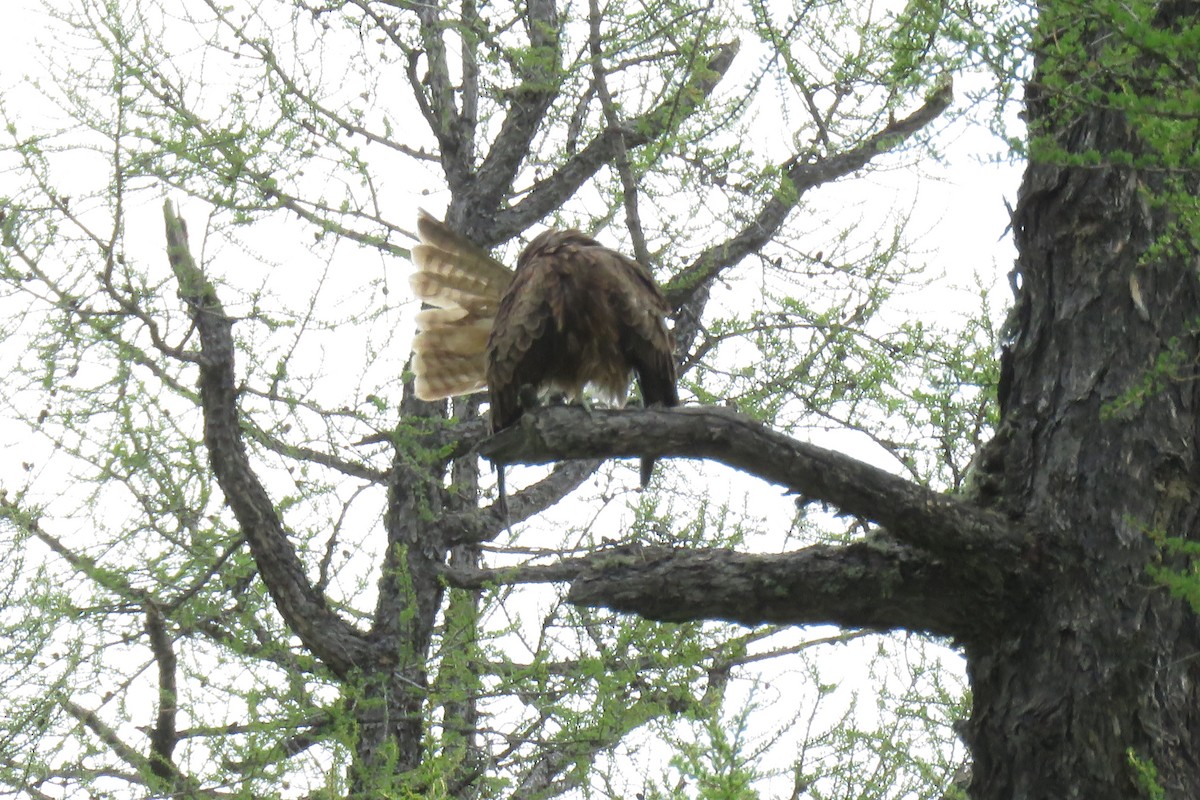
(574, 315)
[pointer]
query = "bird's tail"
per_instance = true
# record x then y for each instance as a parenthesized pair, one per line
(464, 284)
(450, 352)
(647, 470)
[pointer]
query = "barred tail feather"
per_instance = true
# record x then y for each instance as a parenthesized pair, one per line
(442, 375)
(459, 340)
(446, 284)
(465, 285)
(444, 252)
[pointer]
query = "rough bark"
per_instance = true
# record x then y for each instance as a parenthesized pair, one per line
(1102, 672)
(878, 584)
(340, 646)
(384, 671)
(912, 513)
(1104, 664)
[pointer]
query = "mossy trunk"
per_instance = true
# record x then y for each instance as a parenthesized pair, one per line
(1091, 690)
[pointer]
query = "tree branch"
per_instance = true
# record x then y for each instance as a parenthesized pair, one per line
(629, 185)
(548, 194)
(873, 584)
(799, 177)
(91, 720)
(877, 584)
(935, 522)
(333, 640)
(943, 566)
(484, 524)
(688, 291)
(541, 80)
(435, 96)
(164, 736)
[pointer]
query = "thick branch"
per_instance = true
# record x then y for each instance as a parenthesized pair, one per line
(864, 585)
(164, 736)
(912, 513)
(328, 636)
(435, 96)
(875, 584)
(540, 82)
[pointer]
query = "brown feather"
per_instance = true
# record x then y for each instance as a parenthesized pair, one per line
(437, 236)
(445, 280)
(575, 314)
(465, 285)
(579, 314)
(442, 375)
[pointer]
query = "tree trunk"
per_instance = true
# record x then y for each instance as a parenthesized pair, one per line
(1090, 691)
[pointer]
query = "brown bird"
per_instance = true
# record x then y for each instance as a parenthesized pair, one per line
(575, 314)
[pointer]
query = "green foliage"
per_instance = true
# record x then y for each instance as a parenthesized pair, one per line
(726, 755)
(1121, 75)
(719, 764)
(922, 393)
(287, 135)
(1147, 776)
(1183, 582)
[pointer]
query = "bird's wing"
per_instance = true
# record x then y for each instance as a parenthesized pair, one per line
(641, 312)
(518, 347)
(646, 343)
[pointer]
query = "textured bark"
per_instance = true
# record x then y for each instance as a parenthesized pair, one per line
(1104, 665)
(384, 670)
(911, 513)
(873, 584)
(164, 736)
(1103, 669)
(341, 647)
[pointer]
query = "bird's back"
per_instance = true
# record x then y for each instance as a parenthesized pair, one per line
(576, 314)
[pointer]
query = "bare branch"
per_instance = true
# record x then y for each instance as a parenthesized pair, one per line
(799, 177)
(106, 734)
(354, 469)
(628, 183)
(483, 525)
(911, 513)
(163, 737)
(552, 192)
(437, 103)
(688, 290)
(875, 584)
(527, 106)
(338, 644)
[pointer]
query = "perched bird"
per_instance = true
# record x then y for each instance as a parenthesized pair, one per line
(575, 314)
